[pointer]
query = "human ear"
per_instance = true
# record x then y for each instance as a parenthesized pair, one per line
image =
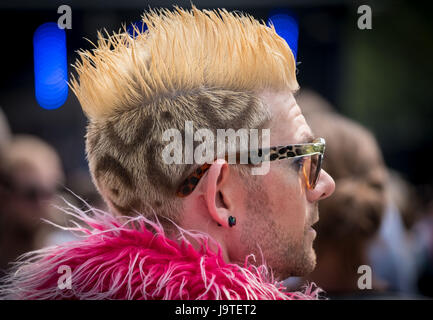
(215, 192)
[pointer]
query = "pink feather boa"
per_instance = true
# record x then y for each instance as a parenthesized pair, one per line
(131, 258)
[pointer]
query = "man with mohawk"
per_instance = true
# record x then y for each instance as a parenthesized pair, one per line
(188, 231)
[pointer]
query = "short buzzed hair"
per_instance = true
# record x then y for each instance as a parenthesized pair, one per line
(201, 66)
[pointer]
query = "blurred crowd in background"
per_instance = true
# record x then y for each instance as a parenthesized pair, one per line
(368, 93)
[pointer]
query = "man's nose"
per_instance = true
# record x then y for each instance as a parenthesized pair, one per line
(324, 188)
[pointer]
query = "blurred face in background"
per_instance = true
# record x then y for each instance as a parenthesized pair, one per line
(33, 190)
(34, 173)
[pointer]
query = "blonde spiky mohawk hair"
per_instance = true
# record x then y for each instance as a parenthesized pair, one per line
(200, 66)
(182, 50)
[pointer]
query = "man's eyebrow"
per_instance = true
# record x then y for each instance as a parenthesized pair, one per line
(307, 137)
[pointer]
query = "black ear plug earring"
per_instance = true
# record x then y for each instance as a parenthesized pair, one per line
(232, 221)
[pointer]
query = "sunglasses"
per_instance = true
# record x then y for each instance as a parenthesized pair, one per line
(31, 192)
(311, 166)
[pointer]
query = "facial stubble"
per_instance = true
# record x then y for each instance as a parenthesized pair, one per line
(262, 235)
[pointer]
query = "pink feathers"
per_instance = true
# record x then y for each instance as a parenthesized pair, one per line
(135, 260)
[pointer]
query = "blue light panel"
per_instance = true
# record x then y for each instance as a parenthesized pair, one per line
(50, 65)
(287, 28)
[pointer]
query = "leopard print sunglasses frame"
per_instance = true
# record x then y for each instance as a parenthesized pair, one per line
(310, 168)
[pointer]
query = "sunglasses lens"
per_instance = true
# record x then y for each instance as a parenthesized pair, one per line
(306, 170)
(311, 169)
(316, 164)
